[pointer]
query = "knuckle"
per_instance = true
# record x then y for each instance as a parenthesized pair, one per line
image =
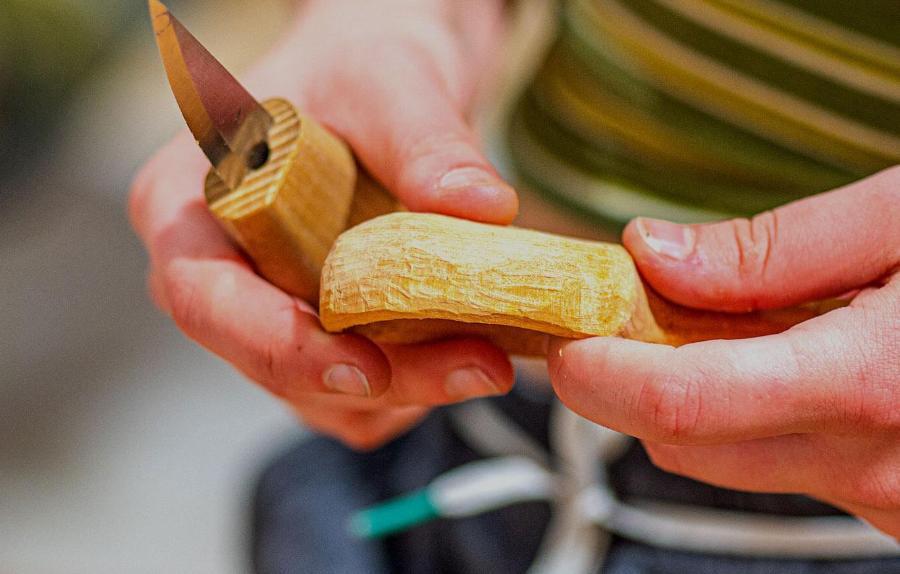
(871, 398)
(670, 407)
(279, 362)
(141, 185)
(877, 410)
(268, 369)
(183, 298)
(755, 240)
(436, 146)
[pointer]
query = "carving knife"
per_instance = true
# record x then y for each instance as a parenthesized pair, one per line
(281, 185)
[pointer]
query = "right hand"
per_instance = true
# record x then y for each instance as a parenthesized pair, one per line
(394, 79)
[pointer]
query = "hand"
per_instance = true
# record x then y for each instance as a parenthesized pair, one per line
(813, 410)
(394, 79)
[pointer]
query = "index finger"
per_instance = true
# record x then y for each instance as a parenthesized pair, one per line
(169, 189)
(217, 299)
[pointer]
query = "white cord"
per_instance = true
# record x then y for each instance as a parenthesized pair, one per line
(485, 485)
(584, 507)
(486, 430)
(586, 511)
(573, 543)
(748, 534)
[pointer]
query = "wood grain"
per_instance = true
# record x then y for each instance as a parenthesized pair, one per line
(413, 266)
(287, 214)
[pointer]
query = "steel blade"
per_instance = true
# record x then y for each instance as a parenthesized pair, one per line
(228, 123)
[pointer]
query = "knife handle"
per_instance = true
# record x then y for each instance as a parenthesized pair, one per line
(286, 214)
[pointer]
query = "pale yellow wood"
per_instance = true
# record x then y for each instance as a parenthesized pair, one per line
(370, 200)
(287, 214)
(414, 277)
(426, 266)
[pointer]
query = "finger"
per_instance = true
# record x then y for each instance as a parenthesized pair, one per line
(362, 430)
(810, 249)
(169, 188)
(828, 371)
(438, 373)
(273, 338)
(776, 464)
(430, 374)
(412, 137)
(398, 97)
(849, 470)
(447, 372)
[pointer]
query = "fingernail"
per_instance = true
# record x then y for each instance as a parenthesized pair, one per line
(347, 380)
(668, 239)
(469, 382)
(466, 177)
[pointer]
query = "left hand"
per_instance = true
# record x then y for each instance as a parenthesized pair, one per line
(813, 410)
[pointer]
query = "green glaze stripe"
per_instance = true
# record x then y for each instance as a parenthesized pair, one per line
(834, 37)
(666, 182)
(669, 132)
(875, 18)
(734, 97)
(606, 199)
(856, 104)
(603, 63)
(393, 516)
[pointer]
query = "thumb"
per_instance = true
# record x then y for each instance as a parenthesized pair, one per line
(811, 249)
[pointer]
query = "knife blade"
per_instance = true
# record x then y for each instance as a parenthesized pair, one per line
(230, 126)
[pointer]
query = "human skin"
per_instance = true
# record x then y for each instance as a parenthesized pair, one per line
(394, 79)
(815, 410)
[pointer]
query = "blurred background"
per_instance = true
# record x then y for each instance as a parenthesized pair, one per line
(123, 447)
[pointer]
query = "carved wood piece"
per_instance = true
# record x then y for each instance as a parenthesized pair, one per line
(415, 277)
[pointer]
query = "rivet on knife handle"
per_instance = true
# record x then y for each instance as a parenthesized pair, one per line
(286, 214)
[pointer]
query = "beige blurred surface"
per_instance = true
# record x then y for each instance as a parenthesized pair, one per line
(123, 447)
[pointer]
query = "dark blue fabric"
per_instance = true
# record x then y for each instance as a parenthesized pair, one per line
(303, 502)
(630, 558)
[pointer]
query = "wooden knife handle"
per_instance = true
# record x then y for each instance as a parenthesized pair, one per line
(287, 214)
